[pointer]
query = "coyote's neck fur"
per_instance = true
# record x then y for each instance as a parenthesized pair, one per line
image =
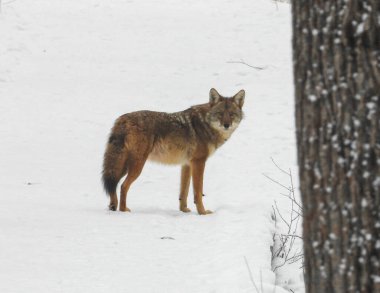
(181, 135)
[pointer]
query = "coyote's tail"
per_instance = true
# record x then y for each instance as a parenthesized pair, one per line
(114, 164)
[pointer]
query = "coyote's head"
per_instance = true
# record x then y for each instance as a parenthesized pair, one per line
(225, 113)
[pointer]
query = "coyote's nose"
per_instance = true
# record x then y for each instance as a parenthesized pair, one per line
(226, 125)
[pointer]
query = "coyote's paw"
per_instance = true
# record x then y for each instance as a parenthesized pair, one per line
(124, 209)
(205, 212)
(185, 210)
(112, 207)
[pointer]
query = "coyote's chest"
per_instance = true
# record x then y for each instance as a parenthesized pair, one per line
(169, 153)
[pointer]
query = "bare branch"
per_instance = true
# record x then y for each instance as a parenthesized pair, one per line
(278, 183)
(284, 249)
(278, 167)
(291, 235)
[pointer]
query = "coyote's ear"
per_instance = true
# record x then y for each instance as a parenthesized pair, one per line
(214, 97)
(239, 98)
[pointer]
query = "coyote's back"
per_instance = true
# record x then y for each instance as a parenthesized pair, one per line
(185, 138)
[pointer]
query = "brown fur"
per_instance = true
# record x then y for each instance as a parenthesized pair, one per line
(186, 138)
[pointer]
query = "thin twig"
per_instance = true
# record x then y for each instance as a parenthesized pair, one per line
(293, 200)
(278, 167)
(292, 185)
(278, 183)
(282, 218)
(250, 275)
(295, 258)
(242, 62)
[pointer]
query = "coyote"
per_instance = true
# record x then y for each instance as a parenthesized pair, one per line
(186, 138)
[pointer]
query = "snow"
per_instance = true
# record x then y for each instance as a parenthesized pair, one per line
(68, 70)
(312, 98)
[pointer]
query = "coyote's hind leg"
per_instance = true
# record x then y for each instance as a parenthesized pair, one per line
(135, 167)
(113, 202)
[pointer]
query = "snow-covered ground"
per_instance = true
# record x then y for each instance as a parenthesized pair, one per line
(68, 69)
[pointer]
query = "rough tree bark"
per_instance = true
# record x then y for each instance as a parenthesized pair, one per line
(336, 53)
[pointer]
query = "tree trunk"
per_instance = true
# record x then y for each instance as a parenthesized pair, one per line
(336, 53)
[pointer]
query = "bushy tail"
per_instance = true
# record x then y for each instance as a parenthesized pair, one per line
(109, 183)
(114, 166)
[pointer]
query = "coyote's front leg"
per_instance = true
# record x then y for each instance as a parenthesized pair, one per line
(197, 170)
(184, 191)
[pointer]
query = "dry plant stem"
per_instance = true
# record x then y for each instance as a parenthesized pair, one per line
(287, 240)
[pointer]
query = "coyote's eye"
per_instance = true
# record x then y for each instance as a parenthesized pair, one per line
(232, 115)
